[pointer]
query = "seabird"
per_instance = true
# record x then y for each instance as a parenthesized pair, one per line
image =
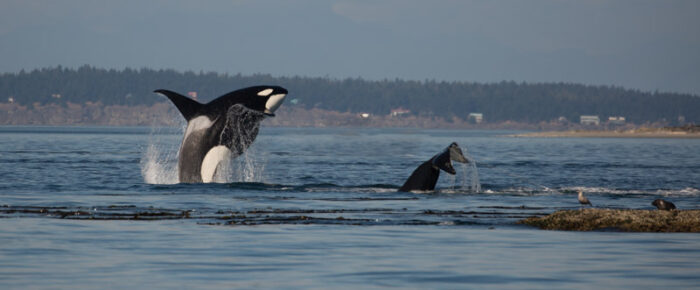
(582, 199)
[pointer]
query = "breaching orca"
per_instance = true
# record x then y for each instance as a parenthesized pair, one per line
(426, 175)
(220, 129)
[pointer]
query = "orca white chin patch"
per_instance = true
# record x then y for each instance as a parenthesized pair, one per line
(265, 92)
(211, 162)
(274, 102)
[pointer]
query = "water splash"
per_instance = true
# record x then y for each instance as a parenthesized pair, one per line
(471, 175)
(249, 167)
(159, 162)
(475, 182)
(469, 179)
(241, 129)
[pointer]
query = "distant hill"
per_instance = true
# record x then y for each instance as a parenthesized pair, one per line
(498, 102)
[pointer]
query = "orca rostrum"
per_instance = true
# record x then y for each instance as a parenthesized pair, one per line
(221, 129)
(426, 175)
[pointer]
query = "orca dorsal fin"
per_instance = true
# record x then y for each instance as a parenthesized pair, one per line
(187, 107)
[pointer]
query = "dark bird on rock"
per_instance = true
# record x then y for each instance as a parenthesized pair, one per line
(663, 204)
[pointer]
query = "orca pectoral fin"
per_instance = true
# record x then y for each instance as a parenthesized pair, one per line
(212, 160)
(187, 107)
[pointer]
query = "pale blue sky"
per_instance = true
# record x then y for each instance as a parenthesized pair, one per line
(639, 44)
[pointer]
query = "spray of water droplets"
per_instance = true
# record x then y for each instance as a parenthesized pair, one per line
(469, 180)
(159, 162)
(471, 174)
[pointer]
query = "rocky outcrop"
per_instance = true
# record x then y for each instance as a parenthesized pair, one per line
(626, 220)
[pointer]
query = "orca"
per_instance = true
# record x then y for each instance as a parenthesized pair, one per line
(221, 129)
(426, 175)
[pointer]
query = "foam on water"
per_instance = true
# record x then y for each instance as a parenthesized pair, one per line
(688, 191)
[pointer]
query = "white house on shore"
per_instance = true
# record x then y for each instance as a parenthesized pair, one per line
(590, 120)
(399, 111)
(476, 117)
(616, 120)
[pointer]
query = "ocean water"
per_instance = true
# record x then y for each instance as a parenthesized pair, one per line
(100, 207)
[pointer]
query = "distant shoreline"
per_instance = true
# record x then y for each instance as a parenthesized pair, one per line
(165, 114)
(690, 132)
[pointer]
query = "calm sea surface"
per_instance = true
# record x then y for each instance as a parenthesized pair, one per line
(94, 207)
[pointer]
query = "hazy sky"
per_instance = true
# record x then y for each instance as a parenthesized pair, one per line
(640, 44)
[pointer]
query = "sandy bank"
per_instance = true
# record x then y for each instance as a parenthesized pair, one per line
(626, 220)
(635, 133)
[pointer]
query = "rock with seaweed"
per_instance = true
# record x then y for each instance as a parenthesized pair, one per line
(626, 220)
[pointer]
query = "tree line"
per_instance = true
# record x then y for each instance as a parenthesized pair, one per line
(502, 101)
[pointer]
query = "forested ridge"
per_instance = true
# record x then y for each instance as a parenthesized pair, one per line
(503, 101)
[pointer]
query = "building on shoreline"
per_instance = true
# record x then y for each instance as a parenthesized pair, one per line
(590, 120)
(616, 120)
(399, 111)
(476, 117)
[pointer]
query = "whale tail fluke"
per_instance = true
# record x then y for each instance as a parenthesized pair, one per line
(444, 159)
(426, 175)
(187, 107)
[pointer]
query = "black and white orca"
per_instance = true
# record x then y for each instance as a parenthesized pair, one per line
(221, 129)
(426, 175)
